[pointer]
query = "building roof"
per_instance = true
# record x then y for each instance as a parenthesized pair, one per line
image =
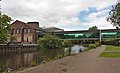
(54, 28)
(35, 26)
(27, 24)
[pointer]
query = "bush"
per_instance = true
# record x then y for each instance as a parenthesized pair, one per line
(42, 42)
(67, 43)
(92, 46)
(50, 42)
(97, 44)
(5, 71)
(33, 63)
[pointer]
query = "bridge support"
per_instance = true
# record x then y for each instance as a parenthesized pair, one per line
(100, 38)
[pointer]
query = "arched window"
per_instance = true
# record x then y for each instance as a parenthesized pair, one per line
(17, 31)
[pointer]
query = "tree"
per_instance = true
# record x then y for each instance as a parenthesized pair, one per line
(50, 42)
(95, 34)
(4, 28)
(93, 28)
(114, 16)
(67, 43)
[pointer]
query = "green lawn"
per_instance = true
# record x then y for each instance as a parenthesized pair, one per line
(113, 48)
(110, 54)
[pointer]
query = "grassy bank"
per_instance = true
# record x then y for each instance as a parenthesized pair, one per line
(111, 54)
(113, 48)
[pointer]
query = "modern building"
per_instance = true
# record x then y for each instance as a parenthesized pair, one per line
(53, 29)
(30, 32)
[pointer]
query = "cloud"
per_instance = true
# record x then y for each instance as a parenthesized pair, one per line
(94, 15)
(57, 13)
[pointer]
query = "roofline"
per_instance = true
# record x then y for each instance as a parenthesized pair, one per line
(54, 27)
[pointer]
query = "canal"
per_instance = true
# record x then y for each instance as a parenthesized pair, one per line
(11, 62)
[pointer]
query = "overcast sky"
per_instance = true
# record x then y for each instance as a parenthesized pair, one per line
(65, 14)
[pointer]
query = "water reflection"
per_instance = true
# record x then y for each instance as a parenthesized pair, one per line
(16, 61)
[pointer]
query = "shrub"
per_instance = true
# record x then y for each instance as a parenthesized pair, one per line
(5, 71)
(67, 43)
(92, 46)
(42, 42)
(97, 44)
(58, 57)
(33, 63)
(50, 42)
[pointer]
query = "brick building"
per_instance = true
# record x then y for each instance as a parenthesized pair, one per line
(24, 32)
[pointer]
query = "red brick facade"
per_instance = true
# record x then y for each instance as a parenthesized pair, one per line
(24, 32)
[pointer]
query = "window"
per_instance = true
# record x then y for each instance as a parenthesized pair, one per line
(25, 31)
(17, 30)
(28, 30)
(20, 31)
(27, 39)
(13, 31)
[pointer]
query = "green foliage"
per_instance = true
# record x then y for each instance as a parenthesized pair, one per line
(20, 69)
(33, 63)
(69, 36)
(42, 42)
(93, 28)
(4, 28)
(110, 54)
(5, 72)
(96, 34)
(114, 16)
(59, 56)
(67, 43)
(50, 42)
(97, 44)
(92, 46)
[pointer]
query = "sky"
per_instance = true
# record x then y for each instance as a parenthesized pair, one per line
(65, 14)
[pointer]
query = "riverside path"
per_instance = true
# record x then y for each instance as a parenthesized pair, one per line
(86, 62)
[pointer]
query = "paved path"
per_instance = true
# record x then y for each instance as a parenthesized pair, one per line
(87, 62)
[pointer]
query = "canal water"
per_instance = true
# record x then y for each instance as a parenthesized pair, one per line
(10, 62)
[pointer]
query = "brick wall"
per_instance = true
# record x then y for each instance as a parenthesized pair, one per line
(23, 32)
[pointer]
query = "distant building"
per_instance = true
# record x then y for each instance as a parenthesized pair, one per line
(53, 29)
(28, 33)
